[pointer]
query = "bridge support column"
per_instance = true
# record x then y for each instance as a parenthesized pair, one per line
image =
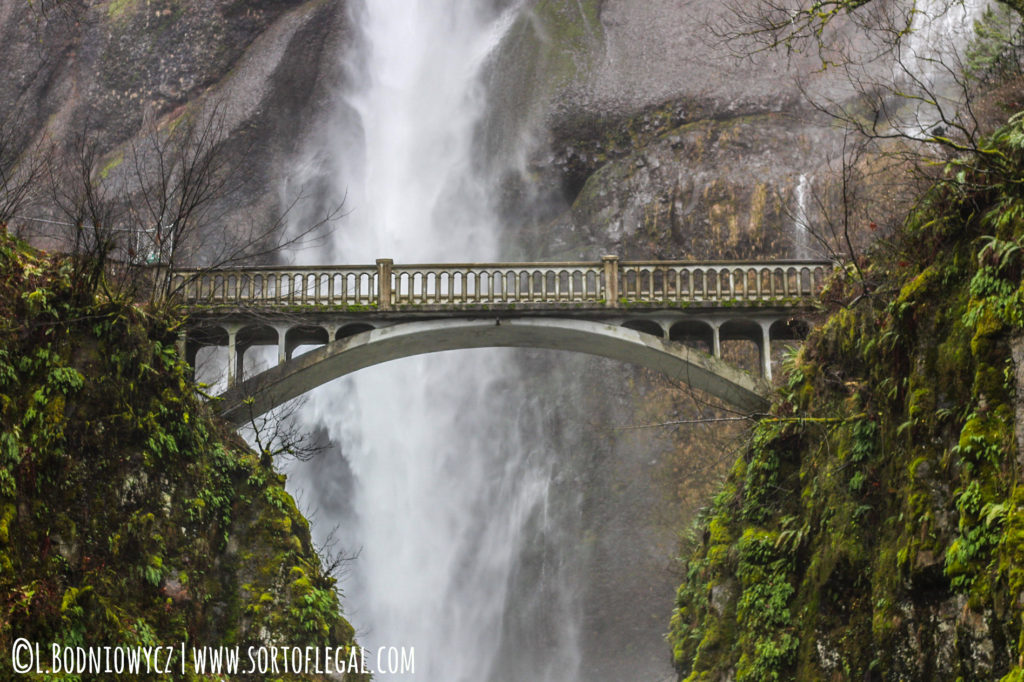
(282, 351)
(766, 350)
(234, 358)
(716, 341)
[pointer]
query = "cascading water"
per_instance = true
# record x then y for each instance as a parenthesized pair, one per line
(447, 499)
(939, 31)
(801, 219)
(931, 59)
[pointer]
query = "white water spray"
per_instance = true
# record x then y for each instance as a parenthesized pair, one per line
(447, 495)
(931, 58)
(940, 29)
(801, 220)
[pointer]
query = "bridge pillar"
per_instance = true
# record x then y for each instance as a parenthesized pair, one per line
(716, 340)
(611, 280)
(766, 350)
(234, 359)
(282, 350)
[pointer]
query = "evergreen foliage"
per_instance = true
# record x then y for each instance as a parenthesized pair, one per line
(128, 515)
(874, 527)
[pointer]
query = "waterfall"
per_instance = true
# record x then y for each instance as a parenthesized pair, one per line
(801, 224)
(939, 31)
(931, 58)
(439, 487)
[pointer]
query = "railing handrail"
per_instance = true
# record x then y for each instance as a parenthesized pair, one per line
(509, 264)
(607, 282)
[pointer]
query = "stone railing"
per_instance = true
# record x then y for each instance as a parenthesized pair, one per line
(607, 283)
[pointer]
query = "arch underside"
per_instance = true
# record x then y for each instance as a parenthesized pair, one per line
(291, 379)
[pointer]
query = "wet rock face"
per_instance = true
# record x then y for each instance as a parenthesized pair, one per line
(109, 67)
(939, 637)
(649, 136)
(711, 189)
(660, 50)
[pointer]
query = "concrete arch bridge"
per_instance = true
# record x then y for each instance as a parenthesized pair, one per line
(670, 316)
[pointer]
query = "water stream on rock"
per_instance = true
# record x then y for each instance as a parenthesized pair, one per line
(931, 59)
(801, 218)
(442, 487)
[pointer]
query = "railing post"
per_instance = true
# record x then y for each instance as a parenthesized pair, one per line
(611, 280)
(384, 283)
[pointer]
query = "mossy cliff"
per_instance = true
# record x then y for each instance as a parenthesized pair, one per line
(128, 515)
(874, 527)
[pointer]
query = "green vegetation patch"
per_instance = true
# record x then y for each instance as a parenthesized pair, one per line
(873, 528)
(128, 515)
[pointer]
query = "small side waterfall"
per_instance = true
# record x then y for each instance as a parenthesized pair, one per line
(930, 62)
(801, 219)
(939, 31)
(446, 491)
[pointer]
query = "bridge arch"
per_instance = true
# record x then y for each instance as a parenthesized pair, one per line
(296, 376)
(645, 326)
(695, 333)
(352, 329)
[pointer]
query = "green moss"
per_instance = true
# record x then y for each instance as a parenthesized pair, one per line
(886, 484)
(118, 9)
(113, 163)
(128, 514)
(7, 515)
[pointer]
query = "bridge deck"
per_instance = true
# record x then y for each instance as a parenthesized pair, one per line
(534, 287)
(358, 310)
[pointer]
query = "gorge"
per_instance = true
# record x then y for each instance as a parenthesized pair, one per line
(518, 514)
